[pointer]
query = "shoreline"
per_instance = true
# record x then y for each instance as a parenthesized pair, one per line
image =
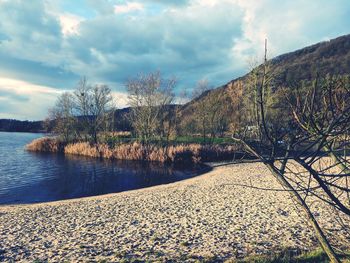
(206, 169)
(204, 216)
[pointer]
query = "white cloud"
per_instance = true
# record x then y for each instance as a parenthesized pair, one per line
(70, 24)
(120, 99)
(33, 100)
(25, 100)
(207, 3)
(128, 7)
(26, 88)
(288, 25)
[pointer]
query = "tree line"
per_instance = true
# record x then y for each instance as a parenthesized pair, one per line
(10, 125)
(153, 114)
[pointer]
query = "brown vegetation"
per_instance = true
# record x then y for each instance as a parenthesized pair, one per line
(182, 153)
(45, 144)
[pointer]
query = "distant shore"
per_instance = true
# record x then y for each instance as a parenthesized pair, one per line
(214, 215)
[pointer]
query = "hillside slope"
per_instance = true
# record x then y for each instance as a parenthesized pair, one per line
(329, 57)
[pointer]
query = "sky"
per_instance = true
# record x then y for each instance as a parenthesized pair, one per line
(46, 46)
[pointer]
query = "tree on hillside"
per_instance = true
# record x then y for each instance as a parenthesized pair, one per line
(238, 112)
(149, 97)
(295, 134)
(170, 122)
(201, 110)
(209, 110)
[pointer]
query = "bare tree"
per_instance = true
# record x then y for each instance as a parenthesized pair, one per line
(62, 117)
(292, 142)
(84, 112)
(94, 107)
(322, 113)
(149, 98)
(81, 105)
(182, 118)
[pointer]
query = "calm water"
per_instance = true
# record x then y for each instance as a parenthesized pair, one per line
(27, 177)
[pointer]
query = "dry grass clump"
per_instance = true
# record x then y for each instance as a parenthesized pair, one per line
(45, 144)
(184, 153)
(81, 148)
(130, 151)
(181, 153)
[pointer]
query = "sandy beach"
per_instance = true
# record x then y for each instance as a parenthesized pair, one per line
(209, 216)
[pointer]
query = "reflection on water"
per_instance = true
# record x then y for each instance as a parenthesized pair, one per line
(37, 177)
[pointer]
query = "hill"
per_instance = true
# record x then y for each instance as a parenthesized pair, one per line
(290, 69)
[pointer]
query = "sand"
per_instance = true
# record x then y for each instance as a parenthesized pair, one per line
(206, 217)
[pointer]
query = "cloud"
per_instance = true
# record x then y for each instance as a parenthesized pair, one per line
(6, 93)
(128, 7)
(170, 2)
(36, 72)
(289, 25)
(31, 33)
(52, 43)
(188, 42)
(69, 24)
(163, 3)
(102, 7)
(120, 99)
(24, 100)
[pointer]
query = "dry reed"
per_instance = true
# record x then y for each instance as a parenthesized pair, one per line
(45, 144)
(182, 153)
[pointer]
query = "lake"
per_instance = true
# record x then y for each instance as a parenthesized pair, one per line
(27, 177)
